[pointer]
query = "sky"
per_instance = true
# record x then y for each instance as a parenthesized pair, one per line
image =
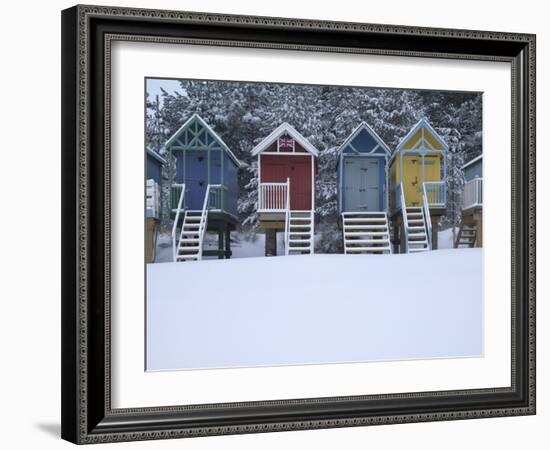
(154, 85)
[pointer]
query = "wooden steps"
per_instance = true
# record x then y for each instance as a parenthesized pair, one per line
(299, 232)
(366, 232)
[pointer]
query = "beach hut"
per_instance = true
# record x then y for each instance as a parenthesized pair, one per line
(362, 191)
(153, 186)
(470, 233)
(204, 190)
(286, 189)
(417, 184)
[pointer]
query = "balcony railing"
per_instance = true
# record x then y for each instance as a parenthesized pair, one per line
(273, 196)
(473, 194)
(217, 197)
(435, 193)
(175, 194)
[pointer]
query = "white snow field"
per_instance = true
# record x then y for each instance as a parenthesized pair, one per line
(314, 309)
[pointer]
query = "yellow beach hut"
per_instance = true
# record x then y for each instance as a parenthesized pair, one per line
(417, 183)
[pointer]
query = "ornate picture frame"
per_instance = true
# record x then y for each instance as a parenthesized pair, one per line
(88, 33)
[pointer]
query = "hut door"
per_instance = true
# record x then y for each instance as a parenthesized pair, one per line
(196, 180)
(300, 182)
(412, 180)
(362, 190)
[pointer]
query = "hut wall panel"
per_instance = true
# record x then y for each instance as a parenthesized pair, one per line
(473, 171)
(154, 168)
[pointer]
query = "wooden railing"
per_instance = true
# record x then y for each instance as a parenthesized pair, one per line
(180, 207)
(473, 194)
(435, 193)
(217, 197)
(273, 196)
(400, 200)
(175, 195)
(427, 217)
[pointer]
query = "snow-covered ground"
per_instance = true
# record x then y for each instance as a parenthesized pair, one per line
(445, 239)
(242, 246)
(314, 309)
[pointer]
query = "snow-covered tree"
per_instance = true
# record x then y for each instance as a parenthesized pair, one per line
(243, 113)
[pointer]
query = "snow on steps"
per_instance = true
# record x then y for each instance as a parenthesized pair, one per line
(299, 233)
(417, 236)
(191, 236)
(366, 232)
(467, 235)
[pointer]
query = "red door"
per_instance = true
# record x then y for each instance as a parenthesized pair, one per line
(276, 169)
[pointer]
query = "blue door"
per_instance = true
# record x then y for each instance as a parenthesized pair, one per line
(196, 179)
(361, 184)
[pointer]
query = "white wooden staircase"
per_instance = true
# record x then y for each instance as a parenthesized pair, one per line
(299, 231)
(366, 232)
(189, 245)
(192, 236)
(416, 234)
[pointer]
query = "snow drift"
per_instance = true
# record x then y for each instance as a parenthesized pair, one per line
(314, 309)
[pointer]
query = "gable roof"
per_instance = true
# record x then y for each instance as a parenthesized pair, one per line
(365, 126)
(201, 121)
(155, 155)
(472, 161)
(422, 123)
(280, 130)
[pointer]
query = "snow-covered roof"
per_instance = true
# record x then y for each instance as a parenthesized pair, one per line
(365, 126)
(210, 129)
(155, 155)
(422, 123)
(472, 161)
(284, 128)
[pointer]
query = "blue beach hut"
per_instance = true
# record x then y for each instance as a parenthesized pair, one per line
(204, 190)
(363, 192)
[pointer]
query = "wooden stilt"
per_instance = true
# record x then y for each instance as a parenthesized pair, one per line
(435, 232)
(270, 242)
(220, 244)
(227, 242)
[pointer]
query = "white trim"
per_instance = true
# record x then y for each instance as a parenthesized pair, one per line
(313, 185)
(285, 153)
(422, 123)
(209, 128)
(472, 161)
(370, 130)
(155, 155)
(274, 135)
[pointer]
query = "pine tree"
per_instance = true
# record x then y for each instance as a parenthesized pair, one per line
(244, 113)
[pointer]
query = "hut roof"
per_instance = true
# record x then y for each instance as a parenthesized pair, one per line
(365, 126)
(284, 128)
(196, 118)
(422, 123)
(472, 161)
(153, 154)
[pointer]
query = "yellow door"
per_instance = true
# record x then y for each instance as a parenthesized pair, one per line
(412, 179)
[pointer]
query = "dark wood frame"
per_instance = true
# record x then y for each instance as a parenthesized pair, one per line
(87, 32)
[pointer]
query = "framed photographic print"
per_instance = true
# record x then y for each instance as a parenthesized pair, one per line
(275, 224)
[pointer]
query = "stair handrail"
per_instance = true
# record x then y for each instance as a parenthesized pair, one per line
(427, 218)
(204, 219)
(287, 216)
(176, 220)
(404, 215)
